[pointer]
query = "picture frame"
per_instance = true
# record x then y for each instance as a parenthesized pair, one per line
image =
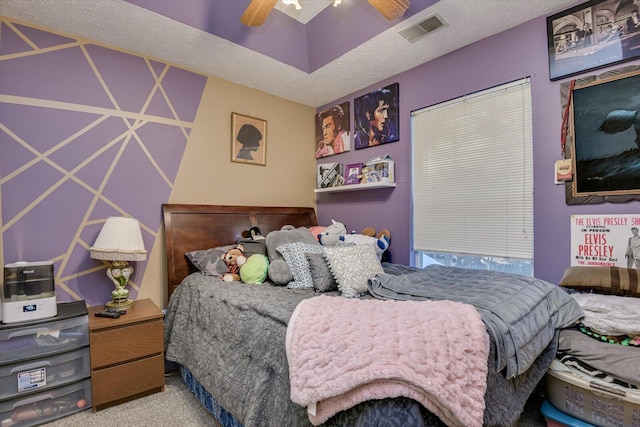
(329, 175)
(248, 139)
(333, 130)
(602, 142)
(592, 35)
(376, 117)
(352, 173)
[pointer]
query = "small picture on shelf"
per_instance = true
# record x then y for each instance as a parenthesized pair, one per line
(329, 175)
(352, 173)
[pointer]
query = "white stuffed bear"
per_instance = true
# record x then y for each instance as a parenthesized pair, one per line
(336, 234)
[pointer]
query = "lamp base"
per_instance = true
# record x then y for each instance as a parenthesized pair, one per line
(120, 303)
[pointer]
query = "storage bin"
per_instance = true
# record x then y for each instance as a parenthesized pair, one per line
(555, 418)
(48, 405)
(29, 376)
(593, 402)
(67, 331)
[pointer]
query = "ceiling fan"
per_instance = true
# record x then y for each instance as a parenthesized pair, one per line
(258, 10)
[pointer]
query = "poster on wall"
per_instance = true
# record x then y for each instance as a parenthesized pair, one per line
(376, 119)
(333, 134)
(605, 240)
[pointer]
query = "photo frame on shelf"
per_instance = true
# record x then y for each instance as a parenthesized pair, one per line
(333, 131)
(329, 175)
(376, 117)
(592, 35)
(248, 140)
(603, 142)
(352, 173)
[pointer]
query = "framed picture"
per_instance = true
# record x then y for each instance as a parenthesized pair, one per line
(592, 35)
(376, 119)
(329, 175)
(352, 173)
(604, 137)
(248, 140)
(333, 134)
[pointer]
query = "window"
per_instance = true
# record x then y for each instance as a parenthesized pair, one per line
(473, 180)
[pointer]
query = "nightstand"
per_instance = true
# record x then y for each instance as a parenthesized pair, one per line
(127, 354)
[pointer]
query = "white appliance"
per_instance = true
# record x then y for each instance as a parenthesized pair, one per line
(29, 292)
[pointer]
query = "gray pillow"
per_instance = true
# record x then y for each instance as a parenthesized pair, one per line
(252, 247)
(280, 237)
(208, 261)
(323, 280)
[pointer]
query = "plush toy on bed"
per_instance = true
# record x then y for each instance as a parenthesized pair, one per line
(251, 270)
(234, 258)
(336, 234)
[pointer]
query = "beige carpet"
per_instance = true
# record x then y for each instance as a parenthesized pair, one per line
(177, 406)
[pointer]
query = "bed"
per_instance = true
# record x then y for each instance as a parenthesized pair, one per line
(230, 340)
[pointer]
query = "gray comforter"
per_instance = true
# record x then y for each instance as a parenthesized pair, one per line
(521, 313)
(231, 337)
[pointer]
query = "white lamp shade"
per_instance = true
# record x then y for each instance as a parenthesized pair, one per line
(119, 240)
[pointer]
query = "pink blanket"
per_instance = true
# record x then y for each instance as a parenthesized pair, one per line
(343, 351)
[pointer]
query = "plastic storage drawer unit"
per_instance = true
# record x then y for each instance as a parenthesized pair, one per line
(66, 331)
(592, 402)
(29, 376)
(47, 406)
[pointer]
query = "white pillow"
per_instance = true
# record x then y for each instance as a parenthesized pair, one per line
(353, 266)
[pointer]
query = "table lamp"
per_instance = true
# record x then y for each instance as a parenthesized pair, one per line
(119, 241)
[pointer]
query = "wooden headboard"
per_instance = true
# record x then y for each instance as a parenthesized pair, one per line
(198, 227)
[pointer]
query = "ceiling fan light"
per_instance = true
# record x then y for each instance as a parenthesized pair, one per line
(336, 3)
(296, 3)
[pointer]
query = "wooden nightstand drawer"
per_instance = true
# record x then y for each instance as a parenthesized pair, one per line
(127, 354)
(118, 345)
(122, 381)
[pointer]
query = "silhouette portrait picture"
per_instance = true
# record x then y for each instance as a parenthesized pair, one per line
(248, 139)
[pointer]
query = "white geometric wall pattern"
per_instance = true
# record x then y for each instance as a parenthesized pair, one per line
(86, 132)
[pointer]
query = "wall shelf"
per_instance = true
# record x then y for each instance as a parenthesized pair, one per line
(356, 187)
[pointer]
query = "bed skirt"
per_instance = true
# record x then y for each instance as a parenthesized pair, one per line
(412, 414)
(208, 401)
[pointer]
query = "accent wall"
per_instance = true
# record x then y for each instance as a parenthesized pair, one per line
(88, 132)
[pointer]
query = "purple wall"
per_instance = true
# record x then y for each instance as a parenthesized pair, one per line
(83, 145)
(508, 56)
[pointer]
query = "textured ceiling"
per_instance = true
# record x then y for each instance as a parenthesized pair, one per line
(122, 24)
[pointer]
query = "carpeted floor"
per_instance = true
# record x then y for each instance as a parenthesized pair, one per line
(177, 406)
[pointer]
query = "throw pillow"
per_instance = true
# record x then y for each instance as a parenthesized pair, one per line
(294, 256)
(323, 280)
(208, 261)
(353, 266)
(606, 280)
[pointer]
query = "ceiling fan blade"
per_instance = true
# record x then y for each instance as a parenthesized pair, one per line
(390, 9)
(257, 12)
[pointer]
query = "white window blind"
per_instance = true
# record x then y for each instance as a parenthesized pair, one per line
(472, 174)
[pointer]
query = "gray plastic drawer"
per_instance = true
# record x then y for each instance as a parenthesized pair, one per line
(29, 376)
(32, 341)
(48, 405)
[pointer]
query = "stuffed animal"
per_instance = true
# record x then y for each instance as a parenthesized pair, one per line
(255, 270)
(316, 230)
(234, 258)
(336, 234)
(256, 234)
(251, 270)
